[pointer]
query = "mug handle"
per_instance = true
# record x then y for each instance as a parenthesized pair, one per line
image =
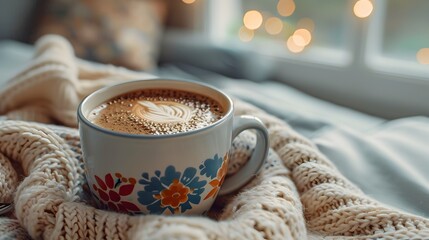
(249, 170)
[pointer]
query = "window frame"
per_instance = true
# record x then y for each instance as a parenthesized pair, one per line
(365, 80)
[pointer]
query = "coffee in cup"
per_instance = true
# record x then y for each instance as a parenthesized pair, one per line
(157, 112)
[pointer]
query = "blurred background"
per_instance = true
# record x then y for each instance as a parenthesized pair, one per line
(367, 55)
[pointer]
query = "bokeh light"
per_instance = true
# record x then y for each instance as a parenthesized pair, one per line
(423, 56)
(292, 46)
(286, 7)
(252, 19)
(273, 25)
(245, 34)
(363, 8)
(301, 37)
(188, 1)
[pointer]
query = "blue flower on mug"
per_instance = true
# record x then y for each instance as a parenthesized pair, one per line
(173, 191)
(216, 169)
(210, 166)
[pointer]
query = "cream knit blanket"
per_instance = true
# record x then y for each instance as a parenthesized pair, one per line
(298, 194)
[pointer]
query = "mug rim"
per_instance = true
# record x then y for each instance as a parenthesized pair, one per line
(83, 119)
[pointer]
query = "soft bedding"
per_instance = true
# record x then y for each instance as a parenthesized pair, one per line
(387, 160)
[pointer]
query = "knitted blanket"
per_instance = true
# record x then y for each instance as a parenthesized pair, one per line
(298, 194)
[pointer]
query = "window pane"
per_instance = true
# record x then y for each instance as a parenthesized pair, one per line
(303, 23)
(406, 34)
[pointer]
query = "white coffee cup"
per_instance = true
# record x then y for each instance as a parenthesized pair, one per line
(178, 173)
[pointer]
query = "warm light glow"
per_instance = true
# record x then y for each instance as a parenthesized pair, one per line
(423, 56)
(306, 23)
(293, 47)
(363, 8)
(298, 40)
(252, 19)
(273, 25)
(188, 1)
(286, 7)
(301, 37)
(245, 35)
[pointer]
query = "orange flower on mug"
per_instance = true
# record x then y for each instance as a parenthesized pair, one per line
(220, 177)
(172, 191)
(174, 195)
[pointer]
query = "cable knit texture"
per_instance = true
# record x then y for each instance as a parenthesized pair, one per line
(298, 194)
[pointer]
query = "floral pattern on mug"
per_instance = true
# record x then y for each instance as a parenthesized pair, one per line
(216, 169)
(173, 191)
(112, 189)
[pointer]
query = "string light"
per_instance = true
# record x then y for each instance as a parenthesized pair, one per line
(301, 37)
(292, 46)
(252, 19)
(245, 34)
(273, 25)
(363, 8)
(299, 40)
(423, 56)
(286, 7)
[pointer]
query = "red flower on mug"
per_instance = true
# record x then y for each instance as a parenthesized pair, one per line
(110, 192)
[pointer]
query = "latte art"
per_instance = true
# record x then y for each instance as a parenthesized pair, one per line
(157, 112)
(163, 111)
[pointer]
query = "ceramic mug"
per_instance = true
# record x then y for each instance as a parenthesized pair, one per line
(178, 173)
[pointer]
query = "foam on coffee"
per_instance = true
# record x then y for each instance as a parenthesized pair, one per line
(157, 112)
(163, 111)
